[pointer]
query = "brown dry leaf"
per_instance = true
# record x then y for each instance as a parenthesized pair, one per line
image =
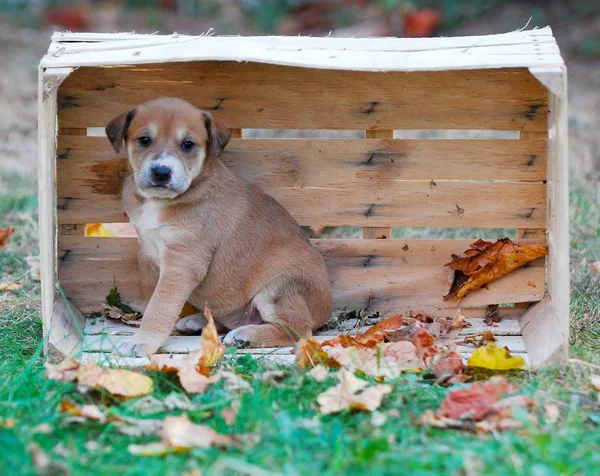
(65, 371)
(492, 315)
(344, 396)
(371, 337)
(475, 401)
(179, 432)
(10, 286)
(230, 414)
(118, 382)
(191, 380)
(89, 412)
(114, 313)
(478, 340)
(4, 234)
(234, 382)
(485, 262)
(211, 346)
(310, 353)
(448, 367)
(595, 267)
(425, 345)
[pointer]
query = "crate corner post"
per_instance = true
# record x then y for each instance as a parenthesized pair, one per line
(545, 326)
(60, 319)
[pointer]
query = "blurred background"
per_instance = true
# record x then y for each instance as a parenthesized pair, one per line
(26, 26)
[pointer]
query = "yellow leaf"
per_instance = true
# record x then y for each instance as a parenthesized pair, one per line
(495, 358)
(119, 382)
(96, 229)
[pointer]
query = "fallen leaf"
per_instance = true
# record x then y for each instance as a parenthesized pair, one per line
(87, 412)
(97, 229)
(179, 432)
(448, 367)
(230, 414)
(425, 345)
(212, 348)
(319, 373)
(10, 286)
(378, 332)
(42, 463)
(595, 381)
(35, 271)
(43, 428)
(114, 299)
(114, 313)
(476, 401)
(7, 423)
(492, 315)
(478, 340)
(531, 285)
(552, 413)
(139, 426)
(4, 234)
(272, 377)
(233, 382)
(310, 353)
(118, 382)
(495, 358)
(65, 371)
(485, 262)
(344, 396)
(595, 267)
(191, 380)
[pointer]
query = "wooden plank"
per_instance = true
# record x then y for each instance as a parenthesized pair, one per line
(301, 98)
(388, 275)
(544, 334)
(47, 109)
(378, 232)
(112, 360)
(411, 204)
(187, 344)
(558, 237)
(506, 327)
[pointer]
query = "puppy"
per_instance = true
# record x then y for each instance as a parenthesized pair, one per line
(209, 237)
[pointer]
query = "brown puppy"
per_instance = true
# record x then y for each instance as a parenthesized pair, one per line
(210, 237)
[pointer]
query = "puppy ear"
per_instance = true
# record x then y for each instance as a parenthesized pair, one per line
(218, 135)
(116, 130)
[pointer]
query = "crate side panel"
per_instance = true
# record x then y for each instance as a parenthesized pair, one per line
(390, 275)
(281, 97)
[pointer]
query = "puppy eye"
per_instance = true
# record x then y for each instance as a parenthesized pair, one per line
(144, 141)
(187, 145)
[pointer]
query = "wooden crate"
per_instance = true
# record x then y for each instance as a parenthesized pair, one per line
(511, 82)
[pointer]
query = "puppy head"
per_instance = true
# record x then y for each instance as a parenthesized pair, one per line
(168, 141)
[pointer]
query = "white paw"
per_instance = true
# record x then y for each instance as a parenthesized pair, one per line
(139, 306)
(236, 338)
(191, 324)
(130, 347)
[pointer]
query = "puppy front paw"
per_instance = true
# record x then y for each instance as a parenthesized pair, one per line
(191, 324)
(131, 347)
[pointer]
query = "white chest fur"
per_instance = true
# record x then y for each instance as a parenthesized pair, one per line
(154, 236)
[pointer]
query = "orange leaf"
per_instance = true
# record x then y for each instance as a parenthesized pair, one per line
(119, 382)
(212, 348)
(486, 262)
(309, 353)
(378, 332)
(4, 234)
(475, 401)
(191, 379)
(425, 344)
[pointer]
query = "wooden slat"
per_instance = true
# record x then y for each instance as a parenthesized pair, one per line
(253, 95)
(388, 275)
(187, 344)
(342, 182)
(410, 204)
(506, 327)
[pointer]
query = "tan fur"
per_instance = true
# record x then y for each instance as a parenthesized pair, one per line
(221, 242)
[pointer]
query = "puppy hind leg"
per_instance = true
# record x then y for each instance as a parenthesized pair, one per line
(287, 320)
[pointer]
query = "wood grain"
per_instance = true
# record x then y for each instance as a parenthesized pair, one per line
(388, 275)
(372, 182)
(263, 96)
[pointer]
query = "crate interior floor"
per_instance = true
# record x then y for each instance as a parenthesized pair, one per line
(101, 335)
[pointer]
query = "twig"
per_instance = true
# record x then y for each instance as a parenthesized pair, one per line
(583, 362)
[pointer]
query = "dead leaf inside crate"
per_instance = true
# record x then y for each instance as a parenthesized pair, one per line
(485, 262)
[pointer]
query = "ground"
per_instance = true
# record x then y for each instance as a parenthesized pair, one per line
(296, 439)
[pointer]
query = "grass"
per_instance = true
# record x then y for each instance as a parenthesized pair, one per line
(294, 437)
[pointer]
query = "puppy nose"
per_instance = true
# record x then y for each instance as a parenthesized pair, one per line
(161, 173)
